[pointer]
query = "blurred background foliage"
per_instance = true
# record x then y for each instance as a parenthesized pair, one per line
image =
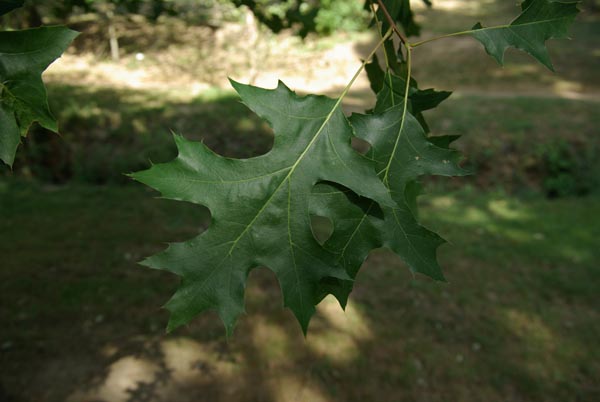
(199, 39)
(519, 321)
(321, 16)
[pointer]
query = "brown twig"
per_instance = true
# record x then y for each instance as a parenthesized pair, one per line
(392, 23)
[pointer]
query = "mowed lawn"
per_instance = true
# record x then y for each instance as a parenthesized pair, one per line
(80, 321)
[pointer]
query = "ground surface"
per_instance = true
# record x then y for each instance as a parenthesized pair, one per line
(81, 322)
(518, 320)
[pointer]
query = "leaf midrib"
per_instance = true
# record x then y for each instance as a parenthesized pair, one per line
(287, 177)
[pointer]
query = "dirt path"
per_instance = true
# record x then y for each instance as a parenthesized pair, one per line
(323, 66)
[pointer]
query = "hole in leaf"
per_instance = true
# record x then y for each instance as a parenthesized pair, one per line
(322, 228)
(332, 201)
(342, 197)
(361, 146)
(248, 137)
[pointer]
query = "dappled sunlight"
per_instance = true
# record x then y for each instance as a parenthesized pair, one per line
(569, 89)
(271, 339)
(322, 67)
(332, 71)
(175, 364)
(540, 351)
(507, 210)
(400, 336)
(474, 216)
(89, 70)
(530, 329)
(519, 225)
(123, 376)
(350, 319)
(462, 6)
(443, 201)
(341, 332)
(188, 360)
(290, 388)
(318, 65)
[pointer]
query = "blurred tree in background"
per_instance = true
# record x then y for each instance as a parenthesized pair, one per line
(305, 16)
(302, 16)
(189, 38)
(62, 10)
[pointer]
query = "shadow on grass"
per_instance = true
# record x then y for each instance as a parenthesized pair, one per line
(106, 132)
(80, 320)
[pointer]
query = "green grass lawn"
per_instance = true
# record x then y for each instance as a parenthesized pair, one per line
(518, 320)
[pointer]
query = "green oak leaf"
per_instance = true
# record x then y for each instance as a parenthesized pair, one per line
(402, 154)
(390, 89)
(7, 6)
(259, 207)
(420, 100)
(24, 55)
(414, 188)
(375, 74)
(539, 21)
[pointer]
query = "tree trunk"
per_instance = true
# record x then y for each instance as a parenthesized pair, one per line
(112, 36)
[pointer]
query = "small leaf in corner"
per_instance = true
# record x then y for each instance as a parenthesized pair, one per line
(539, 21)
(24, 55)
